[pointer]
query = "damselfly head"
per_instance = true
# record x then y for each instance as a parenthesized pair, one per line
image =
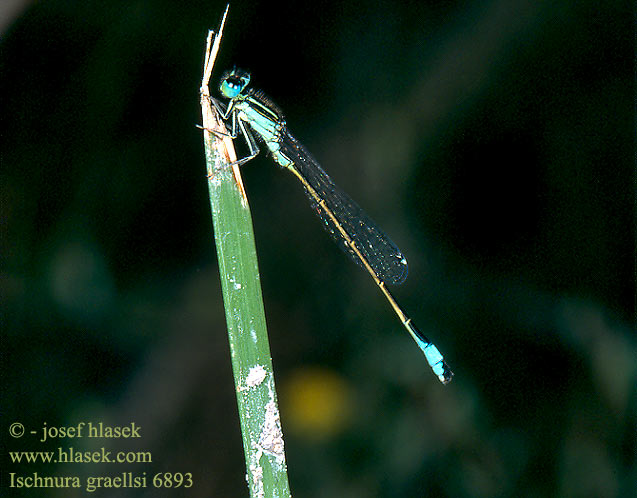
(233, 82)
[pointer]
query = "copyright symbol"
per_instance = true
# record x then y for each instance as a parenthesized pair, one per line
(16, 429)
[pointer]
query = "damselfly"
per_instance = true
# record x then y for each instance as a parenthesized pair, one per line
(348, 224)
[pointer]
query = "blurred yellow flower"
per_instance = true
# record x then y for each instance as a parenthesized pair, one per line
(316, 402)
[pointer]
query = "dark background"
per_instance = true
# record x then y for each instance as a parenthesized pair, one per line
(493, 141)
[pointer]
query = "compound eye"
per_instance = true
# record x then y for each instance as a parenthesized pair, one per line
(233, 83)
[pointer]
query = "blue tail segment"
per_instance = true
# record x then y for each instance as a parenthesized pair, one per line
(434, 357)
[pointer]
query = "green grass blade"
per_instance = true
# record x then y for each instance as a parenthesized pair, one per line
(245, 316)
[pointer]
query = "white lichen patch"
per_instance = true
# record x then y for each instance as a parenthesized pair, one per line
(271, 438)
(256, 473)
(256, 376)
